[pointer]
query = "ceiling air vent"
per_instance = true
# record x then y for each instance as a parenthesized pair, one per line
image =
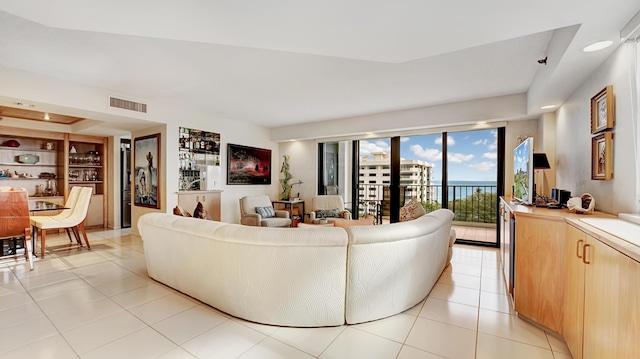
(127, 105)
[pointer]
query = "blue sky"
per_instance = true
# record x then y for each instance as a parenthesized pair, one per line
(472, 154)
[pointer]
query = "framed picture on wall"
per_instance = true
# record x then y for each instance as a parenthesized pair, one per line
(248, 165)
(602, 156)
(602, 116)
(146, 157)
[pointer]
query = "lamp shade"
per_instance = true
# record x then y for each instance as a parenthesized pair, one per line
(540, 161)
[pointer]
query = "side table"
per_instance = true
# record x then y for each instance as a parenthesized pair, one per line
(289, 206)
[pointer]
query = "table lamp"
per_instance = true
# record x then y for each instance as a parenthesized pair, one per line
(540, 162)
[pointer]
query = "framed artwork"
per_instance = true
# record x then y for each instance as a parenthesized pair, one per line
(602, 117)
(146, 157)
(248, 165)
(602, 156)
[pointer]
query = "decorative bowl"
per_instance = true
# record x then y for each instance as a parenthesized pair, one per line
(11, 143)
(29, 159)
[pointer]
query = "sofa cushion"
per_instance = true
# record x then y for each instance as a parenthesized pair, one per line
(344, 223)
(276, 222)
(328, 213)
(266, 212)
(412, 210)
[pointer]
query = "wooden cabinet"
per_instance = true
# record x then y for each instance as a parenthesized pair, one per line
(95, 213)
(539, 269)
(611, 303)
(577, 280)
(573, 321)
(86, 167)
(505, 244)
(602, 299)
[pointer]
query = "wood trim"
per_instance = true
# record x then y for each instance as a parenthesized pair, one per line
(22, 132)
(74, 137)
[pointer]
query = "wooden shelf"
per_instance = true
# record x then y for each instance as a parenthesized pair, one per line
(28, 164)
(30, 149)
(58, 162)
(27, 178)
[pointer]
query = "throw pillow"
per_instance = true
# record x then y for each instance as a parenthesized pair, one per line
(179, 211)
(201, 213)
(344, 223)
(328, 213)
(411, 210)
(266, 212)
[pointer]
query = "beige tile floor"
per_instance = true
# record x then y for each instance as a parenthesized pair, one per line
(101, 304)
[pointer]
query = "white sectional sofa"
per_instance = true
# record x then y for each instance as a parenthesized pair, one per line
(303, 277)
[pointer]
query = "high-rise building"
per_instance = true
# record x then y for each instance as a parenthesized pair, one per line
(375, 176)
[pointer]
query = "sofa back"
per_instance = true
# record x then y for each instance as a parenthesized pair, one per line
(280, 276)
(248, 204)
(393, 267)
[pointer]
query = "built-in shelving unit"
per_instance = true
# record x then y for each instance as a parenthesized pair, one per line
(62, 161)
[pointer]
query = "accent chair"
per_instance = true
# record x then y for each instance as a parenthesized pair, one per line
(327, 207)
(258, 211)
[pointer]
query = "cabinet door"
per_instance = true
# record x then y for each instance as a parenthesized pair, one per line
(539, 270)
(209, 200)
(612, 304)
(95, 212)
(505, 244)
(573, 315)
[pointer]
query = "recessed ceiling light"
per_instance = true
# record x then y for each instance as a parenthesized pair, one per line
(22, 104)
(46, 116)
(597, 46)
(481, 123)
(547, 107)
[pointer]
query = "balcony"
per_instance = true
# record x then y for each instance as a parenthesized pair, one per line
(474, 206)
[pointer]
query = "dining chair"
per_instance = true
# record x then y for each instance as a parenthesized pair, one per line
(14, 218)
(69, 205)
(74, 221)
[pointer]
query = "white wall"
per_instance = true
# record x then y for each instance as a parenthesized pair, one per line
(303, 165)
(230, 131)
(164, 116)
(500, 108)
(574, 138)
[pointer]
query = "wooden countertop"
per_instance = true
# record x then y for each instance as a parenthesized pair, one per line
(573, 219)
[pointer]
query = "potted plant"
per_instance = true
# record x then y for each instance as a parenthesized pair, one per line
(285, 182)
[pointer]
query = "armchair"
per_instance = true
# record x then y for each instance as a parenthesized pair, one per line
(327, 205)
(249, 216)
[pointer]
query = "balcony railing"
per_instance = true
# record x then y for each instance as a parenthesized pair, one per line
(469, 203)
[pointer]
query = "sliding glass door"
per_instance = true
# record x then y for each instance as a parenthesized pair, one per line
(335, 169)
(472, 184)
(461, 171)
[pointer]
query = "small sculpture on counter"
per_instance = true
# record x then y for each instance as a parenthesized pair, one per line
(583, 204)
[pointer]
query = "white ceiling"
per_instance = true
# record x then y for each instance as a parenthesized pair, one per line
(285, 62)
